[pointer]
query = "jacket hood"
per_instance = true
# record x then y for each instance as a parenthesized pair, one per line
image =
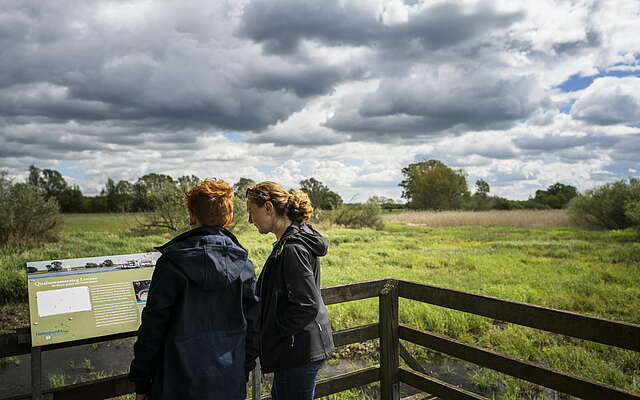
(309, 237)
(210, 256)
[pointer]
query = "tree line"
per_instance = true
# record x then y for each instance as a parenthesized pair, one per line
(435, 186)
(30, 211)
(427, 185)
(148, 192)
(432, 185)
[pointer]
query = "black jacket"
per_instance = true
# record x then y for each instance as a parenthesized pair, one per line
(198, 326)
(293, 322)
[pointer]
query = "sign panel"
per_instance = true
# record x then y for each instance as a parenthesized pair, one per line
(80, 298)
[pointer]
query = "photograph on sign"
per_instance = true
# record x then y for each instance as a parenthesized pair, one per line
(141, 288)
(87, 265)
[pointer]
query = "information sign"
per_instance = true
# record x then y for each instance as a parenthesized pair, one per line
(80, 298)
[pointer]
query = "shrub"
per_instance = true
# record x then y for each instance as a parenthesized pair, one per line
(358, 216)
(608, 206)
(632, 211)
(168, 210)
(26, 218)
(240, 214)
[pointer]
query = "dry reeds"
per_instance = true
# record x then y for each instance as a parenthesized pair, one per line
(519, 218)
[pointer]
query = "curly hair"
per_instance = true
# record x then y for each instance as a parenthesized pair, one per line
(295, 205)
(211, 202)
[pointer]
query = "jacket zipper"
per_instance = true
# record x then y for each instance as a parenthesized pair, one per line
(324, 348)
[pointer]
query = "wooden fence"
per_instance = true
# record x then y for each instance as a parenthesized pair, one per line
(389, 373)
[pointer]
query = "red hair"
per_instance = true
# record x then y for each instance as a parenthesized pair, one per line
(211, 202)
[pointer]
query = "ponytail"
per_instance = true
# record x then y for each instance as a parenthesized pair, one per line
(299, 206)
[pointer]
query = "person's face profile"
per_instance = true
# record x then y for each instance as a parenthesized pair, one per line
(261, 217)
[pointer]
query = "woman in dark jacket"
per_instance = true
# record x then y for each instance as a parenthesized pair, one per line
(198, 330)
(294, 328)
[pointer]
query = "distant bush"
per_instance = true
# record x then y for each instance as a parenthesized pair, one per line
(240, 213)
(367, 215)
(632, 211)
(168, 209)
(485, 203)
(26, 217)
(612, 206)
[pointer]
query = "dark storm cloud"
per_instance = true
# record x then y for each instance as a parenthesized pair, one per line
(172, 68)
(628, 150)
(430, 104)
(300, 138)
(304, 82)
(52, 140)
(550, 142)
(282, 24)
(593, 39)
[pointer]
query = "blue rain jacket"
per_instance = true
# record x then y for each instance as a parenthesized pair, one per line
(198, 335)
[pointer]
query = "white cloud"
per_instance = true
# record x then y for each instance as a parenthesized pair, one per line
(610, 101)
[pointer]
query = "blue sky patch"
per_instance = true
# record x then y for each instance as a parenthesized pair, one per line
(577, 82)
(235, 137)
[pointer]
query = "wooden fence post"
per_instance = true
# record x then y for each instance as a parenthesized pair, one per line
(257, 382)
(389, 340)
(36, 373)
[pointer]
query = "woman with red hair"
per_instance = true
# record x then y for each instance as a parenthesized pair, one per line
(197, 335)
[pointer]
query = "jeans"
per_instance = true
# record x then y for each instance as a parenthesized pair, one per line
(298, 383)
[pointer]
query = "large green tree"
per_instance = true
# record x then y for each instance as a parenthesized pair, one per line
(152, 189)
(186, 182)
(119, 195)
(482, 188)
(557, 195)
(240, 187)
(49, 181)
(52, 185)
(320, 195)
(432, 185)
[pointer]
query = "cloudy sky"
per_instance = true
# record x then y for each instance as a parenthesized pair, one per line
(522, 94)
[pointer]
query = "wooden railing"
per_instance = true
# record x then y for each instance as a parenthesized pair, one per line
(389, 373)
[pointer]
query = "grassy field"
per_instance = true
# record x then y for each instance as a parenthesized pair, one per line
(591, 272)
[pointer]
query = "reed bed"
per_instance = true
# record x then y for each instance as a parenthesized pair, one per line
(519, 218)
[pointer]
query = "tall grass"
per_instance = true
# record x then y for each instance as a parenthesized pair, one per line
(519, 218)
(588, 271)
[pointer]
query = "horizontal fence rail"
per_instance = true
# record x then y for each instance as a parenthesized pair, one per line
(390, 332)
(435, 386)
(19, 342)
(553, 379)
(614, 333)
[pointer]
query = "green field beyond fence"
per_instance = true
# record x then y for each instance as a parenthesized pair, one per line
(591, 272)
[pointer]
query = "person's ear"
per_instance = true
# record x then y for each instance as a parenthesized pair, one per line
(268, 207)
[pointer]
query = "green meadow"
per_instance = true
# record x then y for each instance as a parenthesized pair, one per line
(586, 271)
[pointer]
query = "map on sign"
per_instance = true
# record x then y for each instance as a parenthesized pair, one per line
(80, 298)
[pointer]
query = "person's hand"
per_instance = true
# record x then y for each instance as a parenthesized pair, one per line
(142, 397)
